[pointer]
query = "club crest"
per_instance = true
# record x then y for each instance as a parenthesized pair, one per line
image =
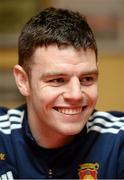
(88, 171)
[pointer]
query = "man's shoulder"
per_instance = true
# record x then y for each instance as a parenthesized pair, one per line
(106, 122)
(6, 110)
(3, 110)
(108, 114)
(11, 119)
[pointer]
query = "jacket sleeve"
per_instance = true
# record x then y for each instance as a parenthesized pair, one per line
(6, 164)
(121, 149)
(121, 158)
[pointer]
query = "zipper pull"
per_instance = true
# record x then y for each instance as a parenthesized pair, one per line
(50, 173)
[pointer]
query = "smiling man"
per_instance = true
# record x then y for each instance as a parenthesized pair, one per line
(58, 133)
(61, 93)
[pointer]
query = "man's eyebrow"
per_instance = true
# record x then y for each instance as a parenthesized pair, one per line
(94, 71)
(53, 73)
(58, 73)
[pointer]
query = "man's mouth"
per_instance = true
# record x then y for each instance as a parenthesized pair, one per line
(69, 111)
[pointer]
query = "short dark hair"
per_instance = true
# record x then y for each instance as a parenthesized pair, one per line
(55, 26)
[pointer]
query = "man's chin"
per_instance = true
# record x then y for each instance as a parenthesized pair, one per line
(72, 130)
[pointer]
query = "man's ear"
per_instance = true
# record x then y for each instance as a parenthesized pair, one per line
(22, 80)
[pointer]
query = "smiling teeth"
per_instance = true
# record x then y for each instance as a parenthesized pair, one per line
(70, 111)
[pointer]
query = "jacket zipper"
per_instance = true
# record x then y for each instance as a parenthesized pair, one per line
(50, 173)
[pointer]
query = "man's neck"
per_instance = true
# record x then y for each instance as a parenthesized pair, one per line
(48, 139)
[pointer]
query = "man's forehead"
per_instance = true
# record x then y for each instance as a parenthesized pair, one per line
(53, 53)
(69, 70)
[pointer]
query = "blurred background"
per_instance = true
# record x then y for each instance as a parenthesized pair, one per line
(107, 21)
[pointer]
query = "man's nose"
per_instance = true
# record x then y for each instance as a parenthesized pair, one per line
(74, 91)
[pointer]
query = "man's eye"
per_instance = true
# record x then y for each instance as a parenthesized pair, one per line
(88, 80)
(57, 81)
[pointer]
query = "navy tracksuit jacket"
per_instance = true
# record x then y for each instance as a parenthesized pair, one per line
(97, 152)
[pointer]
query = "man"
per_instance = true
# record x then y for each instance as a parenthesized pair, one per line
(58, 133)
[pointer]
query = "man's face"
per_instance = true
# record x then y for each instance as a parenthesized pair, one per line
(63, 89)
